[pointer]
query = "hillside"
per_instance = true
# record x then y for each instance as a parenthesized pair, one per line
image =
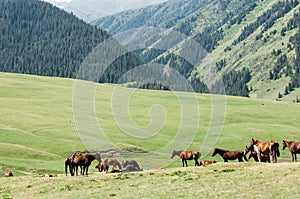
(246, 180)
(39, 38)
(257, 37)
(38, 117)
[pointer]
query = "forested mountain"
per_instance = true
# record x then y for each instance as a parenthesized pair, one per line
(38, 38)
(253, 43)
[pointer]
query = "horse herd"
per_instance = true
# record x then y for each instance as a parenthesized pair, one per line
(84, 160)
(259, 150)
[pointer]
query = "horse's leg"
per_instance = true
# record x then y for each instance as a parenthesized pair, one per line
(186, 163)
(295, 157)
(182, 162)
(259, 156)
(86, 169)
(240, 159)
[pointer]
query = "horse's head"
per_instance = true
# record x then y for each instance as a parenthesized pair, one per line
(284, 144)
(173, 154)
(215, 151)
(248, 149)
(253, 141)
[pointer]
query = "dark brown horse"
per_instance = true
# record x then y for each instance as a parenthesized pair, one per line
(187, 155)
(230, 155)
(253, 154)
(207, 162)
(133, 163)
(265, 148)
(293, 146)
(68, 162)
(83, 160)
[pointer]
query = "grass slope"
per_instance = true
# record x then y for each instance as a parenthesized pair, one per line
(38, 131)
(239, 180)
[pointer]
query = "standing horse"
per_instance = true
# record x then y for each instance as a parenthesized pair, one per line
(294, 148)
(265, 148)
(68, 162)
(230, 155)
(187, 155)
(83, 160)
(253, 154)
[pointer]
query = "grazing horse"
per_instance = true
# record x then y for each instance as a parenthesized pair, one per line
(133, 163)
(253, 154)
(187, 155)
(103, 166)
(207, 162)
(230, 155)
(265, 148)
(293, 146)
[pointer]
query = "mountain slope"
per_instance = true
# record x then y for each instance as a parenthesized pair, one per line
(38, 38)
(90, 10)
(255, 35)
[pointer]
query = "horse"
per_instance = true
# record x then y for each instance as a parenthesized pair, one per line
(103, 166)
(266, 148)
(207, 162)
(8, 174)
(133, 163)
(187, 155)
(131, 168)
(253, 154)
(294, 148)
(83, 160)
(230, 155)
(68, 162)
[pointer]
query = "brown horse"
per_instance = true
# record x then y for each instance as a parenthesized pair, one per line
(83, 160)
(68, 162)
(104, 166)
(187, 155)
(207, 162)
(293, 146)
(253, 154)
(265, 148)
(230, 155)
(133, 163)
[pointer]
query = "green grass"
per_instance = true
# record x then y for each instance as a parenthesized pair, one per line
(38, 132)
(250, 180)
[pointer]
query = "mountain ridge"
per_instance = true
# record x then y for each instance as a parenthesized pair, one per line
(236, 34)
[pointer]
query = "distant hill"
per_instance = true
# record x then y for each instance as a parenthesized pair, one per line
(38, 38)
(254, 44)
(90, 10)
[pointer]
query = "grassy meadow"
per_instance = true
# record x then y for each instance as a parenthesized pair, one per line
(38, 132)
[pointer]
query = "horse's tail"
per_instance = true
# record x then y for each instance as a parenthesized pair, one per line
(276, 149)
(278, 152)
(66, 168)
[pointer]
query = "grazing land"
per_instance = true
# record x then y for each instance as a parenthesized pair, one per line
(38, 132)
(239, 180)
